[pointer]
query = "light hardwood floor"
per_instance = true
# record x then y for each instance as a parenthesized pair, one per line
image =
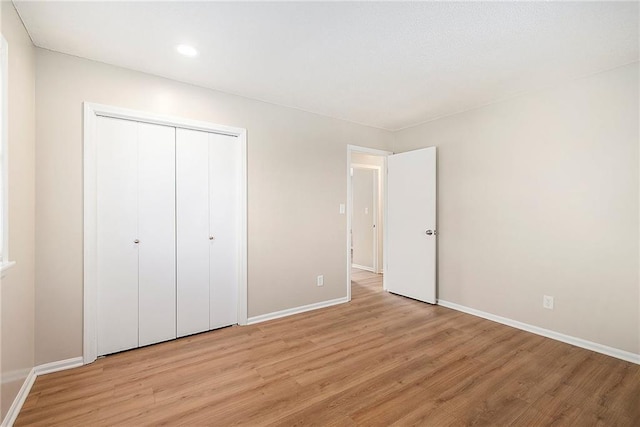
(379, 360)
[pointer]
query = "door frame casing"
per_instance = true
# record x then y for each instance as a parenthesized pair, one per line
(90, 286)
(375, 152)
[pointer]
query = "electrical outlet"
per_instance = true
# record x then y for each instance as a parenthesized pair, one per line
(320, 280)
(547, 302)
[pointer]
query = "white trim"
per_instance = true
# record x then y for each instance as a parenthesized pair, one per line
(22, 395)
(4, 147)
(60, 365)
(383, 154)
(362, 267)
(159, 119)
(578, 342)
(90, 215)
(91, 112)
(296, 310)
(243, 300)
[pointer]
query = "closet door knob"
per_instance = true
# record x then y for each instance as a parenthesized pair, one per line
(211, 238)
(136, 241)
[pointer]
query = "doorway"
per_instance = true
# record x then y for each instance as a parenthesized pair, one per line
(366, 215)
(406, 245)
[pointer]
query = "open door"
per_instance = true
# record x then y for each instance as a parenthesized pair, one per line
(411, 225)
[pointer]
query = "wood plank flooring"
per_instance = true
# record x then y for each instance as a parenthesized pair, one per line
(379, 360)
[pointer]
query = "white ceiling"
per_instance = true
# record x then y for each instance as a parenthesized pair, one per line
(388, 65)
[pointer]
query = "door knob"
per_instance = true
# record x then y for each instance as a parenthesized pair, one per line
(211, 238)
(136, 241)
(430, 232)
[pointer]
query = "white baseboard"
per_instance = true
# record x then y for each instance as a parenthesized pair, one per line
(15, 407)
(578, 342)
(362, 267)
(60, 365)
(295, 310)
(47, 368)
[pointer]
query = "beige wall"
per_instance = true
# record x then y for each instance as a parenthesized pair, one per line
(18, 283)
(296, 182)
(539, 195)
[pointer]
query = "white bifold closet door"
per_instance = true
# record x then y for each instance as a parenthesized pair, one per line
(136, 234)
(117, 219)
(224, 217)
(192, 205)
(156, 233)
(207, 167)
(167, 232)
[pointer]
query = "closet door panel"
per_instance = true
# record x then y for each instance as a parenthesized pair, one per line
(157, 253)
(224, 167)
(117, 229)
(192, 202)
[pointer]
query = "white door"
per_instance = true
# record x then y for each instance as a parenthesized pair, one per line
(224, 226)
(117, 230)
(411, 222)
(192, 203)
(136, 234)
(363, 218)
(156, 233)
(208, 167)
(167, 254)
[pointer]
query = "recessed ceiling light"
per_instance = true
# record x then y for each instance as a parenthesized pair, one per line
(187, 50)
